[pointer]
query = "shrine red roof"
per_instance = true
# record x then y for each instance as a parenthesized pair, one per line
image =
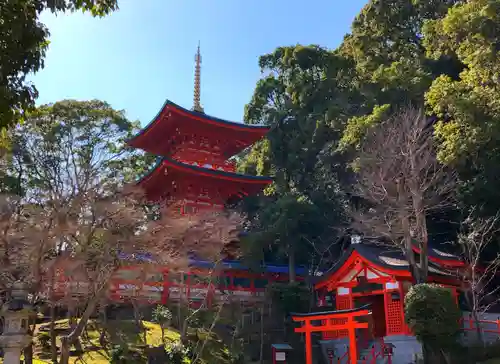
(170, 178)
(385, 260)
(174, 127)
(440, 257)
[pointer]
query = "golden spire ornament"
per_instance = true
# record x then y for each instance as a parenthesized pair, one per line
(197, 82)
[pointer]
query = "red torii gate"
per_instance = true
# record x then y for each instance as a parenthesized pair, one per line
(329, 321)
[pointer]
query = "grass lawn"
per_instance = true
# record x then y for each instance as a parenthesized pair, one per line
(119, 332)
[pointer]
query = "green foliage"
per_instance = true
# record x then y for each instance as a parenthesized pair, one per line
(72, 144)
(468, 106)
(162, 315)
(291, 297)
(320, 103)
(43, 339)
(432, 315)
(24, 41)
(303, 96)
(122, 354)
(178, 354)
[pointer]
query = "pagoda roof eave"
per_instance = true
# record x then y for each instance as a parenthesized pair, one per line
(204, 171)
(202, 117)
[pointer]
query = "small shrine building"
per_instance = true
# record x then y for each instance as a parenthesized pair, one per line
(374, 277)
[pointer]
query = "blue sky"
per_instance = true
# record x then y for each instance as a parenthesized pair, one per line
(144, 53)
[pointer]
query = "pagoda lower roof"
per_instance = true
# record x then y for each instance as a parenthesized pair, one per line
(174, 127)
(167, 173)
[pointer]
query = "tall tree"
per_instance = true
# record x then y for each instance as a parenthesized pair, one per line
(23, 44)
(468, 106)
(303, 96)
(387, 47)
(68, 146)
(401, 182)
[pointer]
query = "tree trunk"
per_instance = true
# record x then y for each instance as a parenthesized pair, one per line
(65, 350)
(67, 340)
(28, 354)
(102, 335)
(53, 343)
(409, 253)
(291, 264)
(423, 238)
(261, 356)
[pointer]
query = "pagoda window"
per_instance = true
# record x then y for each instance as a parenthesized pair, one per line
(242, 282)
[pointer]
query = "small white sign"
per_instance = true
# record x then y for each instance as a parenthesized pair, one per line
(280, 356)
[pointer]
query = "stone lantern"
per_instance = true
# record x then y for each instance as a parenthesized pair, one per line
(16, 314)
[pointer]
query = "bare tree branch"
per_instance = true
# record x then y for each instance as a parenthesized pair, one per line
(401, 181)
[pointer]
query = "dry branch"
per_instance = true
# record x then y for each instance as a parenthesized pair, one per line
(401, 182)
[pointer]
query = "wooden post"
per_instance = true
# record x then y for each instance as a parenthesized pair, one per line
(329, 323)
(353, 350)
(307, 325)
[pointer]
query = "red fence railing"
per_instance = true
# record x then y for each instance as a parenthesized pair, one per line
(486, 326)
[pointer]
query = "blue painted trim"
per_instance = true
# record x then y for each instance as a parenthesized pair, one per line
(226, 264)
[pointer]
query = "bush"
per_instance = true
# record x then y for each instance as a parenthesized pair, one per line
(291, 297)
(121, 354)
(44, 340)
(162, 315)
(178, 353)
(433, 316)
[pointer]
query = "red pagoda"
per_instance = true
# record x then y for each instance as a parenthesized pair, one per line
(195, 170)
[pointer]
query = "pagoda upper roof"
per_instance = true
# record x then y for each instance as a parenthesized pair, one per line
(174, 124)
(167, 171)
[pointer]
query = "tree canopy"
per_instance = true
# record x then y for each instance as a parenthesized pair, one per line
(23, 45)
(441, 56)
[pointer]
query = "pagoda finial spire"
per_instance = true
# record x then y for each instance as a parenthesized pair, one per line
(197, 82)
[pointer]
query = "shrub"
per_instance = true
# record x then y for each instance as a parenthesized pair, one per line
(433, 316)
(44, 340)
(291, 297)
(178, 353)
(162, 315)
(121, 354)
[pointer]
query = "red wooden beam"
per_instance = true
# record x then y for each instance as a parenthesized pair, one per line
(329, 327)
